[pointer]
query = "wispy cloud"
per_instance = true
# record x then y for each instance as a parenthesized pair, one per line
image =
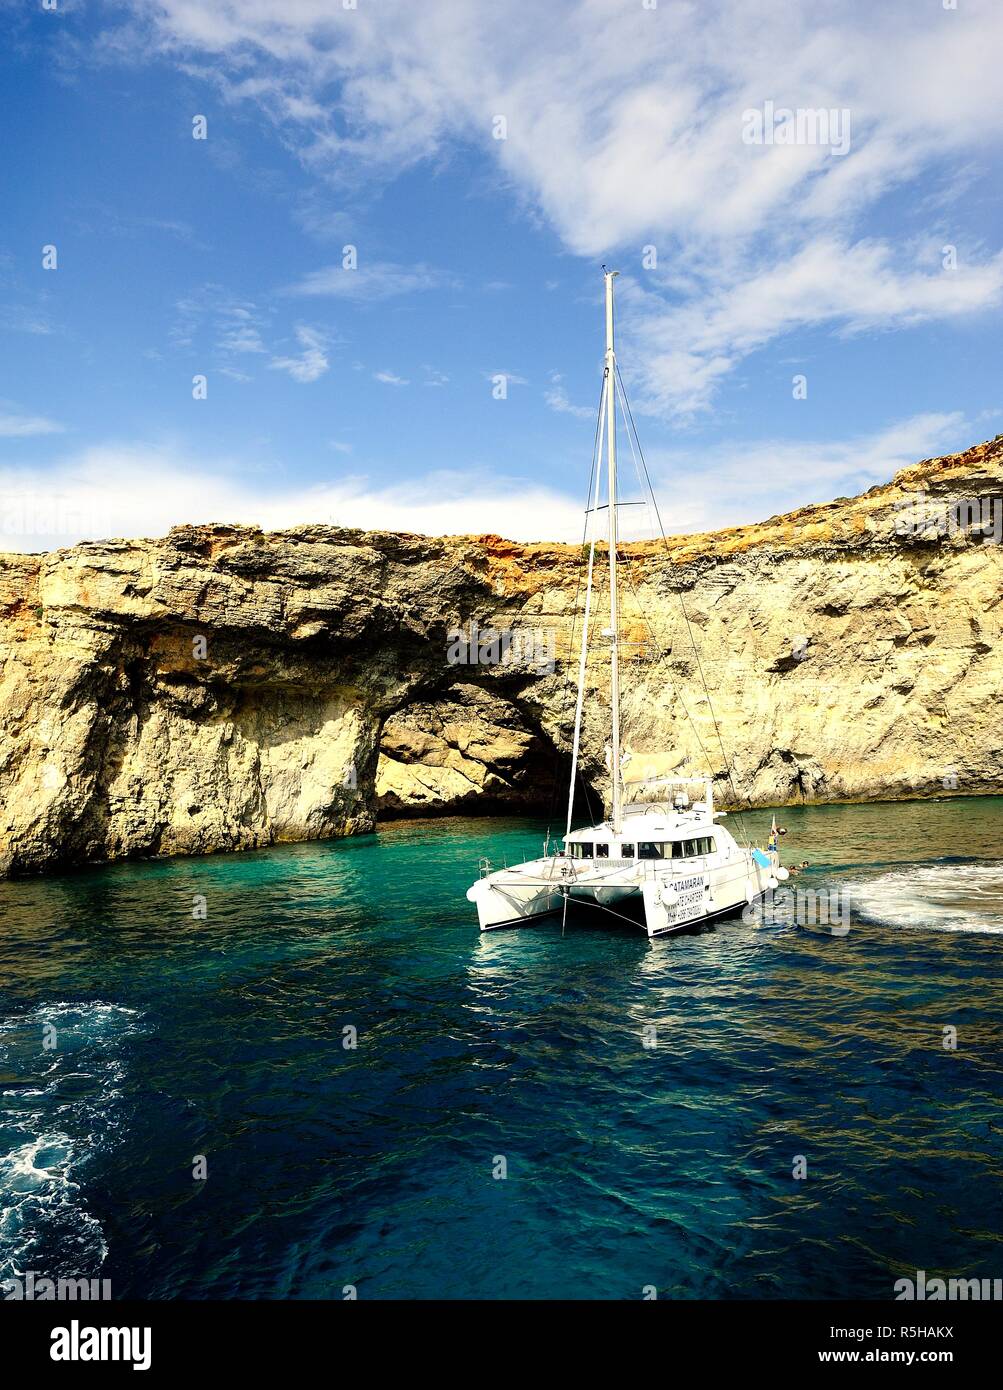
(391, 379)
(742, 481)
(93, 494)
(19, 319)
(512, 378)
(645, 145)
(99, 219)
(685, 351)
(379, 280)
(212, 319)
(647, 134)
(24, 426)
(241, 336)
(557, 398)
(312, 362)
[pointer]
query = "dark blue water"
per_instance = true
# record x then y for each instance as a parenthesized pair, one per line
(627, 1165)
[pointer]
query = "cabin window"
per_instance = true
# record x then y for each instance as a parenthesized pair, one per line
(580, 851)
(602, 851)
(690, 849)
(626, 851)
(646, 849)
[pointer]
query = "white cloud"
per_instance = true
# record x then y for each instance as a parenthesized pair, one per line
(391, 379)
(511, 378)
(23, 426)
(742, 482)
(241, 337)
(647, 132)
(93, 494)
(681, 354)
(312, 362)
(214, 316)
(381, 280)
(18, 319)
(644, 145)
(557, 398)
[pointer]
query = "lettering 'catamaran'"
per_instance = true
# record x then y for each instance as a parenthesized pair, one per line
(668, 864)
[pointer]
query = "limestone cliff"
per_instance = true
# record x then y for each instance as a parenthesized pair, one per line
(224, 688)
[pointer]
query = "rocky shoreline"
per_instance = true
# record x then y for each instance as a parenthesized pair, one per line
(223, 688)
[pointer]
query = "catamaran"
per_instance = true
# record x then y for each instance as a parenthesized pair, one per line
(666, 864)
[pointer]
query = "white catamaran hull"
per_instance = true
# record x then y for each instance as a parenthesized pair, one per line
(512, 903)
(670, 902)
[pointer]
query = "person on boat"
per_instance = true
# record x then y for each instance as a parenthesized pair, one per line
(773, 844)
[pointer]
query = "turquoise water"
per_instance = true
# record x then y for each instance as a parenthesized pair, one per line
(626, 1165)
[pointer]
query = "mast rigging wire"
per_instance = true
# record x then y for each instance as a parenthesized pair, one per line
(593, 484)
(632, 429)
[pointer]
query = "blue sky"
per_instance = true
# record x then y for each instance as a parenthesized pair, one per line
(365, 396)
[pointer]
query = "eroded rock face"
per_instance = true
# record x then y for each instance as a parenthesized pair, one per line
(223, 688)
(470, 748)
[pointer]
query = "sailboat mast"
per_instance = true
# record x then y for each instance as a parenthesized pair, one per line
(595, 482)
(614, 620)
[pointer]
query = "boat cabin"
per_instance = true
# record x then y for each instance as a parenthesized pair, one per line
(652, 835)
(642, 849)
